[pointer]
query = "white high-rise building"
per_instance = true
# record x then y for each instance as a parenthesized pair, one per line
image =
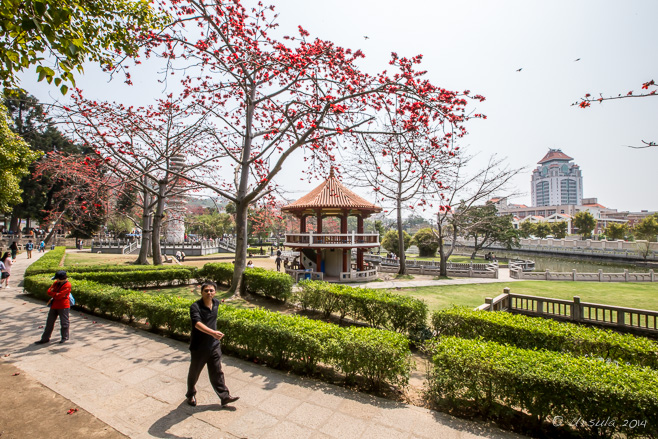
(556, 181)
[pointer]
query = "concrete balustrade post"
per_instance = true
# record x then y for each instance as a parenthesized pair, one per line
(600, 275)
(489, 301)
(576, 309)
(573, 274)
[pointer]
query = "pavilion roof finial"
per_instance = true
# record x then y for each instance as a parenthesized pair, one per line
(331, 171)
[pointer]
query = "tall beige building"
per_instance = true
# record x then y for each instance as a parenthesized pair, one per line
(556, 181)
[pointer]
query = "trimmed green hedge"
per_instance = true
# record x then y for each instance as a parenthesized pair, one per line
(220, 273)
(377, 308)
(544, 384)
(268, 283)
(533, 332)
(137, 278)
(378, 356)
(48, 263)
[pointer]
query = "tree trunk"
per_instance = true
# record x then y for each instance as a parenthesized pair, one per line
(240, 248)
(13, 225)
(402, 255)
(241, 201)
(147, 231)
(54, 228)
(157, 223)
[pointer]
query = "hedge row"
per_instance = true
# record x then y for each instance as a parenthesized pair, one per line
(48, 263)
(378, 356)
(377, 308)
(138, 278)
(546, 385)
(221, 273)
(268, 283)
(532, 332)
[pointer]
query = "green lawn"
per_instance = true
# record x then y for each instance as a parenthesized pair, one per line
(630, 295)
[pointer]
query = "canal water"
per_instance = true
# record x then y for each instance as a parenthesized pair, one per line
(566, 264)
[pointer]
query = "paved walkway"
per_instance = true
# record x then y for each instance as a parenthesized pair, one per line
(134, 381)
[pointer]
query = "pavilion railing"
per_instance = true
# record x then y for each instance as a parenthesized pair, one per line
(332, 239)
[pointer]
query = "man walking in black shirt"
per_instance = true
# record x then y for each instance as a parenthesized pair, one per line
(205, 347)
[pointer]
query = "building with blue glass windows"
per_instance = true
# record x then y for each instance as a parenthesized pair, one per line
(556, 181)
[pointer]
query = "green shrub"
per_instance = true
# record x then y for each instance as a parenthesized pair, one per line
(377, 308)
(543, 384)
(48, 263)
(268, 283)
(379, 356)
(533, 332)
(138, 279)
(256, 250)
(220, 273)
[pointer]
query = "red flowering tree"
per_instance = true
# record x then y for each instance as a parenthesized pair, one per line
(404, 167)
(649, 89)
(80, 191)
(269, 97)
(153, 148)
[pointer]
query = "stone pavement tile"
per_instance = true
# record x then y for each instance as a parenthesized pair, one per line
(362, 410)
(137, 375)
(101, 392)
(217, 416)
(279, 405)
(179, 370)
(172, 393)
(154, 384)
(399, 417)
(309, 415)
(118, 401)
(330, 397)
(342, 426)
(253, 394)
(114, 367)
(319, 435)
(164, 363)
(190, 427)
(143, 412)
(376, 431)
(297, 388)
(287, 430)
(253, 424)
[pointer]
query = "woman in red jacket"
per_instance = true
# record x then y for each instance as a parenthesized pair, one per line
(59, 307)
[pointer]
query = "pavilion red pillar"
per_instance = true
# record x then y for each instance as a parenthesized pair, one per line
(302, 224)
(359, 251)
(318, 252)
(343, 230)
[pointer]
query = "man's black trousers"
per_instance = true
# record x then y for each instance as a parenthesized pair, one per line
(213, 359)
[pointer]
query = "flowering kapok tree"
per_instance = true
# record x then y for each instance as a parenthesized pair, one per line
(146, 147)
(403, 167)
(80, 191)
(269, 97)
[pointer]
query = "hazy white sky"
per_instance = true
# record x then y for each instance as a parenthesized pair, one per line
(479, 45)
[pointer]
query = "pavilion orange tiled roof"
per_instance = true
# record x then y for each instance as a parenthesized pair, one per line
(331, 194)
(554, 154)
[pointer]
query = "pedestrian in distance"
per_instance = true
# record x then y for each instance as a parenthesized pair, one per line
(278, 263)
(250, 264)
(28, 248)
(42, 247)
(205, 346)
(60, 304)
(14, 249)
(5, 268)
